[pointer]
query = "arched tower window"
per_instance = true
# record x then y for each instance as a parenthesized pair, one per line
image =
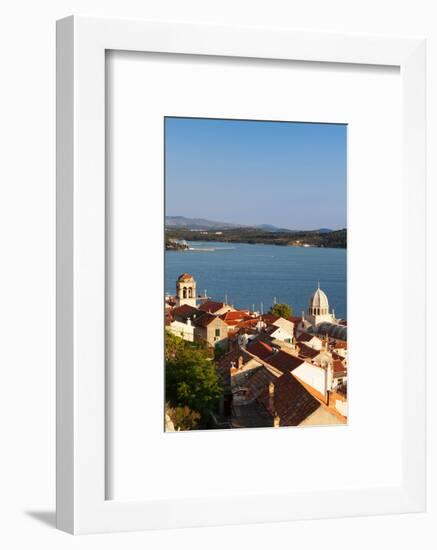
(190, 292)
(184, 292)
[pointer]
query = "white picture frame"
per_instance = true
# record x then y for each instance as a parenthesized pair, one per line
(81, 333)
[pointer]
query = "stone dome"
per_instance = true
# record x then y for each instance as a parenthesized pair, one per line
(319, 302)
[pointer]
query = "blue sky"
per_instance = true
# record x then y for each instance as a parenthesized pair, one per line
(287, 174)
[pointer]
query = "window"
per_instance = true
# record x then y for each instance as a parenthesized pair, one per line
(217, 332)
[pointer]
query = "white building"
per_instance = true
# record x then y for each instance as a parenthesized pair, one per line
(183, 330)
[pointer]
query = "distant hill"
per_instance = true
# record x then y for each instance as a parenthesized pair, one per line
(182, 222)
(255, 235)
(272, 228)
(197, 223)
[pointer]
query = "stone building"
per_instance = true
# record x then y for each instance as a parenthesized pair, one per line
(185, 290)
(211, 330)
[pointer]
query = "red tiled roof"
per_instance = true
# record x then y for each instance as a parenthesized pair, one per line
(295, 320)
(336, 356)
(305, 337)
(269, 318)
(205, 319)
(257, 381)
(235, 315)
(211, 306)
(338, 367)
(185, 277)
(232, 356)
(232, 318)
(260, 349)
(291, 401)
(248, 323)
(307, 352)
(224, 365)
(340, 344)
(185, 311)
(284, 361)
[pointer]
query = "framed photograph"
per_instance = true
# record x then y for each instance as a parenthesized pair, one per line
(240, 275)
(237, 355)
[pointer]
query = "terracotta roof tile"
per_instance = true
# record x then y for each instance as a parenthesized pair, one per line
(269, 318)
(204, 320)
(225, 364)
(340, 344)
(338, 367)
(185, 277)
(211, 306)
(185, 311)
(291, 401)
(284, 361)
(307, 352)
(295, 320)
(233, 318)
(256, 382)
(305, 337)
(260, 349)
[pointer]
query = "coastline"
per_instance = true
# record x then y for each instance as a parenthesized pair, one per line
(191, 249)
(298, 239)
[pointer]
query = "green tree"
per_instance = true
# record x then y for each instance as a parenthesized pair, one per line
(191, 378)
(172, 345)
(282, 310)
(183, 418)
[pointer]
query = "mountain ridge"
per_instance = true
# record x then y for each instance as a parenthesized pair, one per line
(179, 222)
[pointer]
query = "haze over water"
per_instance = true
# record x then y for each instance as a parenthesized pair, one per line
(253, 273)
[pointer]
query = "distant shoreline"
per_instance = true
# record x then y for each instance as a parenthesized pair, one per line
(190, 249)
(333, 239)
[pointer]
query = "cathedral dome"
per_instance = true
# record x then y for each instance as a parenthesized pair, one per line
(319, 300)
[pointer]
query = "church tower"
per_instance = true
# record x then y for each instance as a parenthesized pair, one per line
(185, 290)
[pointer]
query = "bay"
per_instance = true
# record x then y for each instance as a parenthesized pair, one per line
(253, 274)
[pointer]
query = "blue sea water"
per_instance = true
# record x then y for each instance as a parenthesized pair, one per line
(249, 274)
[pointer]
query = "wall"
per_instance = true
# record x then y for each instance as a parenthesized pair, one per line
(312, 375)
(183, 330)
(27, 103)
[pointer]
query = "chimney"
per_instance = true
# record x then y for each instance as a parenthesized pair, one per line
(240, 362)
(188, 321)
(325, 342)
(271, 397)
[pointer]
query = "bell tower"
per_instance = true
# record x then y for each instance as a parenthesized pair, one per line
(185, 290)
